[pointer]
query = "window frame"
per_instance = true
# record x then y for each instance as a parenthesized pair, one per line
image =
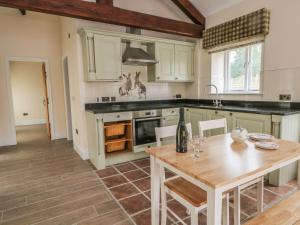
(247, 81)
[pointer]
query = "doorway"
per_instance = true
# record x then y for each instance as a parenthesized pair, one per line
(30, 97)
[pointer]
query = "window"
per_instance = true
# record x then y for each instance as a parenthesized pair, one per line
(238, 70)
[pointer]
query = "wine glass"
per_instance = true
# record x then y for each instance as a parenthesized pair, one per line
(196, 142)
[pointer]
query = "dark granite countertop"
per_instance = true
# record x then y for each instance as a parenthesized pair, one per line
(257, 107)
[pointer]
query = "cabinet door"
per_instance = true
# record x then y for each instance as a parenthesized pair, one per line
(165, 66)
(218, 114)
(196, 115)
(183, 63)
(253, 123)
(107, 57)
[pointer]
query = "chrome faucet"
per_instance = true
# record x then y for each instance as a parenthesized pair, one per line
(217, 102)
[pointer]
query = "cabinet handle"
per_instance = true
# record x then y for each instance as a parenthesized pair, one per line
(176, 78)
(231, 114)
(216, 112)
(120, 77)
(157, 78)
(118, 116)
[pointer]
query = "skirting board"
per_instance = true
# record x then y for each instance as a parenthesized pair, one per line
(82, 153)
(30, 122)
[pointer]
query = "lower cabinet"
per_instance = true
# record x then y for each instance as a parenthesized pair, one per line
(196, 115)
(218, 114)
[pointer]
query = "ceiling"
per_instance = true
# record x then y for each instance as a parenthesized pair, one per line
(208, 7)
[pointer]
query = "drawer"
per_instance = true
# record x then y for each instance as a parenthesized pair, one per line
(170, 112)
(111, 117)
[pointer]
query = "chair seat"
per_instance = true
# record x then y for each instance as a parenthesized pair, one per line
(188, 191)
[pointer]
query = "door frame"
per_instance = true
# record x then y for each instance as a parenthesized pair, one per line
(10, 94)
(69, 124)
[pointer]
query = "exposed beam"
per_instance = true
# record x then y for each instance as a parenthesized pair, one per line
(109, 2)
(22, 11)
(191, 11)
(107, 14)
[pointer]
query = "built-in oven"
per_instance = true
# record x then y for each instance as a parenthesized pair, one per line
(144, 123)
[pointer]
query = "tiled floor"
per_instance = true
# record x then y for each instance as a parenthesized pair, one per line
(46, 183)
(129, 183)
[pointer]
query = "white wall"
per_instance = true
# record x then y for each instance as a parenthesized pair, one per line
(31, 36)
(281, 58)
(83, 92)
(28, 92)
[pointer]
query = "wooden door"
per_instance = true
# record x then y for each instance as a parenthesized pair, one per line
(107, 57)
(165, 65)
(46, 101)
(183, 63)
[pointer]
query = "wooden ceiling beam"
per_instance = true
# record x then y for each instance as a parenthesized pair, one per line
(23, 12)
(107, 14)
(190, 11)
(109, 2)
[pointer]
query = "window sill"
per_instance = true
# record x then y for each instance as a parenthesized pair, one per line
(238, 93)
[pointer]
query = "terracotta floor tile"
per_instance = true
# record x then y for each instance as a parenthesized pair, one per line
(114, 181)
(109, 171)
(201, 220)
(142, 163)
(178, 209)
(293, 183)
(269, 197)
(248, 205)
(135, 175)
(124, 191)
(282, 190)
(143, 184)
(125, 167)
(147, 169)
(148, 193)
(135, 203)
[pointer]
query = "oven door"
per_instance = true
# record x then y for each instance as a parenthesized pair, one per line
(144, 130)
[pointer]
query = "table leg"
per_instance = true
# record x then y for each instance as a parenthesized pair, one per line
(237, 205)
(155, 191)
(298, 178)
(214, 207)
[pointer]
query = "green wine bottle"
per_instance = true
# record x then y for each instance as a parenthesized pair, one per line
(181, 134)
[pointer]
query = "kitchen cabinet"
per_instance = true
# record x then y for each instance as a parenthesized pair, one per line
(196, 115)
(218, 114)
(184, 63)
(102, 57)
(96, 140)
(253, 123)
(175, 63)
(164, 69)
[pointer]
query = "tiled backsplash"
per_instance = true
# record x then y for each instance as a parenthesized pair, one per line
(153, 90)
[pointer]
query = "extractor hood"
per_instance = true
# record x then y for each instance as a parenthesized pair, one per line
(135, 55)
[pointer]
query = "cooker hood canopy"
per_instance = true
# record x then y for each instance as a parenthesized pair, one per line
(134, 54)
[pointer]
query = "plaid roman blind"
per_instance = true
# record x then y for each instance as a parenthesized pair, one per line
(247, 27)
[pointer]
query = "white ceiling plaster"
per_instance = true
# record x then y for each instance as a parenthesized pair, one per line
(209, 7)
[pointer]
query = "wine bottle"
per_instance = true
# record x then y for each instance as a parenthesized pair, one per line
(181, 134)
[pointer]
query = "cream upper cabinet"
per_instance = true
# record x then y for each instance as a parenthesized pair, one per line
(253, 123)
(102, 57)
(175, 63)
(107, 57)
(184, 62)
(164, 54)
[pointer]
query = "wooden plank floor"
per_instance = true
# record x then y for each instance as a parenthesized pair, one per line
(43, 182)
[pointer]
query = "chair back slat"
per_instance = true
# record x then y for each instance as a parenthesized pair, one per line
(212, 124)
(169, 131)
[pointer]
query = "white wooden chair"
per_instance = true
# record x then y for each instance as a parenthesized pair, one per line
(188, 194)
(212, 124)
(222, 123)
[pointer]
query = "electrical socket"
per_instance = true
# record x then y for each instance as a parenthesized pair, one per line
(25, 114)
(105, 99)
(285, 97)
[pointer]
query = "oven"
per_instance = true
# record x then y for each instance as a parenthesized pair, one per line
(144, 123)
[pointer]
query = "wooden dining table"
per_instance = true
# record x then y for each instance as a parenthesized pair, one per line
(222, 166)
